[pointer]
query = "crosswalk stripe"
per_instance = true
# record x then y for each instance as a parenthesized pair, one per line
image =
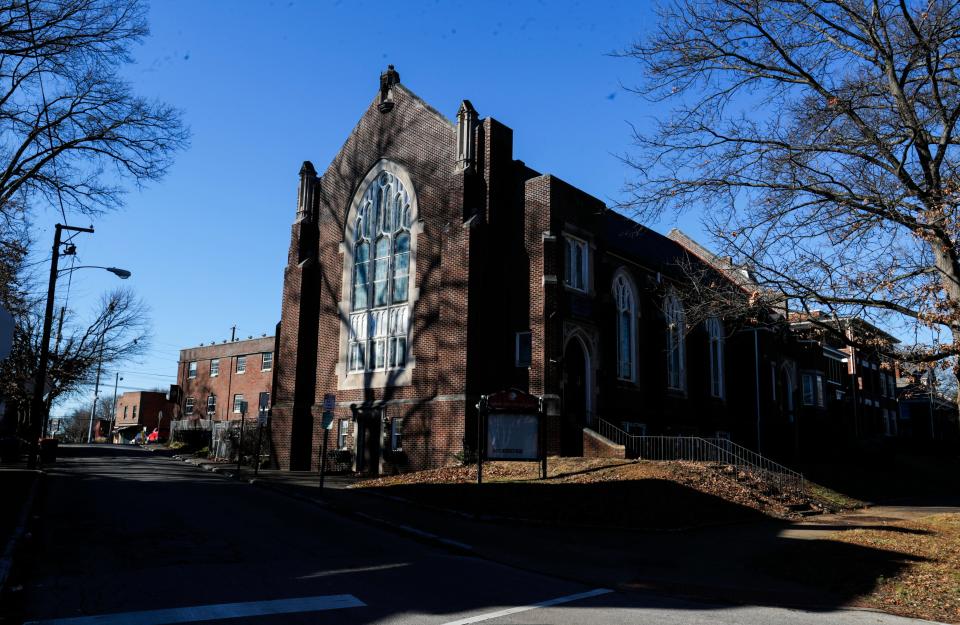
(533, 606)
(213, 612)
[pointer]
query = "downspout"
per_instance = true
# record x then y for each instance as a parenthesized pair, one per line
(756, 387)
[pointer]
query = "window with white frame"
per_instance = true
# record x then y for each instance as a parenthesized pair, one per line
(266, 362)
(238, 403)
(188, 406)
(241, 364)
(214, 367)
(343, 431)
(192, 369)
(626, 300)
(380, 290)
(716, 339)
(211, 404)
(576, 261)
(676, 343)
(396, 434)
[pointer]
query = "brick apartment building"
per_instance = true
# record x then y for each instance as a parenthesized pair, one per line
(215, 378)
(141, 412)
(428, 266)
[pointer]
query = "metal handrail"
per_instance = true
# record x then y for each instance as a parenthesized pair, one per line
(705, 450)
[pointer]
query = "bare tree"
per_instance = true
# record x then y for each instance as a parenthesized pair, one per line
(68, 122)
(819, 141)
(119, 330)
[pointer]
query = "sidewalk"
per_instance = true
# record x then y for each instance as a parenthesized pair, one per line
(19, 489)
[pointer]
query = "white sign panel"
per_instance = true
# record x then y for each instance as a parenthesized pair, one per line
(512, 436)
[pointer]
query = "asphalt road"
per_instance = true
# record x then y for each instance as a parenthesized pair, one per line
(125, 536)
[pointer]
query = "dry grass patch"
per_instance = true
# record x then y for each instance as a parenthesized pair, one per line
(589, 491)
(928, 585)
(911, 568)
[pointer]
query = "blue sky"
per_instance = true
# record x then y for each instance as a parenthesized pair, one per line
(267, 85)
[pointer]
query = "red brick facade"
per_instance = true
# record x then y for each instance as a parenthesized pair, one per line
(490, 249)
(224, 371)
(141, 411)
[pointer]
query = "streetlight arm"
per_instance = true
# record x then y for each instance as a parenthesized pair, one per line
(123, 274)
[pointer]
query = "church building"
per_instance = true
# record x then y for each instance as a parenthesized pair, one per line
(428, 266)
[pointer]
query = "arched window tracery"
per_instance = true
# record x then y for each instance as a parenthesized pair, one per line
(676, 342)
(626, 302)
(379, 317)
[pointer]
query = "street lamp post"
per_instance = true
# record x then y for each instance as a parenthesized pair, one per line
(37, 412)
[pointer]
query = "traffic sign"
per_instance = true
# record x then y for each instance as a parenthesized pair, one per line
(329, 401)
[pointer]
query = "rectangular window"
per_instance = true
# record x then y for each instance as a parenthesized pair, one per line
(214, 367)
(241, 364)
(523, 348)
(821, 400)
(238, 403)
(267, 361)
(188, 406)
(211, 405)
(396, 429)
(263, 404)
(343, 430)
(575, 263)
(125, 412)
(192, 370)
(134, 411)
(809, 392)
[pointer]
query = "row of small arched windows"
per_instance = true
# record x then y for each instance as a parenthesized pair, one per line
(625, 299)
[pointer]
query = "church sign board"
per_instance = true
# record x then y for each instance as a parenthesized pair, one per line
(510, 427)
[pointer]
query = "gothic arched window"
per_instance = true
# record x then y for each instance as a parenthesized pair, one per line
(715, 337)
(626, 301)
(381, 276)
(676, 348)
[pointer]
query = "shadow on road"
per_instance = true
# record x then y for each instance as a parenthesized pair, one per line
(116, 518)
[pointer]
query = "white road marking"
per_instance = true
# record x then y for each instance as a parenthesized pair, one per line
(543, 604)
(213, 612)
(364, 569)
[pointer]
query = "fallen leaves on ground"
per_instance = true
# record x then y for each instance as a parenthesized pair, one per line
(928, 584)
(695, 494)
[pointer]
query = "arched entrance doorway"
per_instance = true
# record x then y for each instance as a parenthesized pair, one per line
(576, 396)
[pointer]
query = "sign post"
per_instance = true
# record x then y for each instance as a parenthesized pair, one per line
(262, 417)
(329, 401)
(243, 414)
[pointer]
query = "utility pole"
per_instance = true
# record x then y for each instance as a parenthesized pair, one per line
(113, 417)
(37, 406)
(96, 390)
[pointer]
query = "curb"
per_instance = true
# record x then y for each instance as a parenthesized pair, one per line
(447, 544)
(12, 546)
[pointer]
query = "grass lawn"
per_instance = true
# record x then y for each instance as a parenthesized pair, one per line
(589, 491)
(915, 566)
